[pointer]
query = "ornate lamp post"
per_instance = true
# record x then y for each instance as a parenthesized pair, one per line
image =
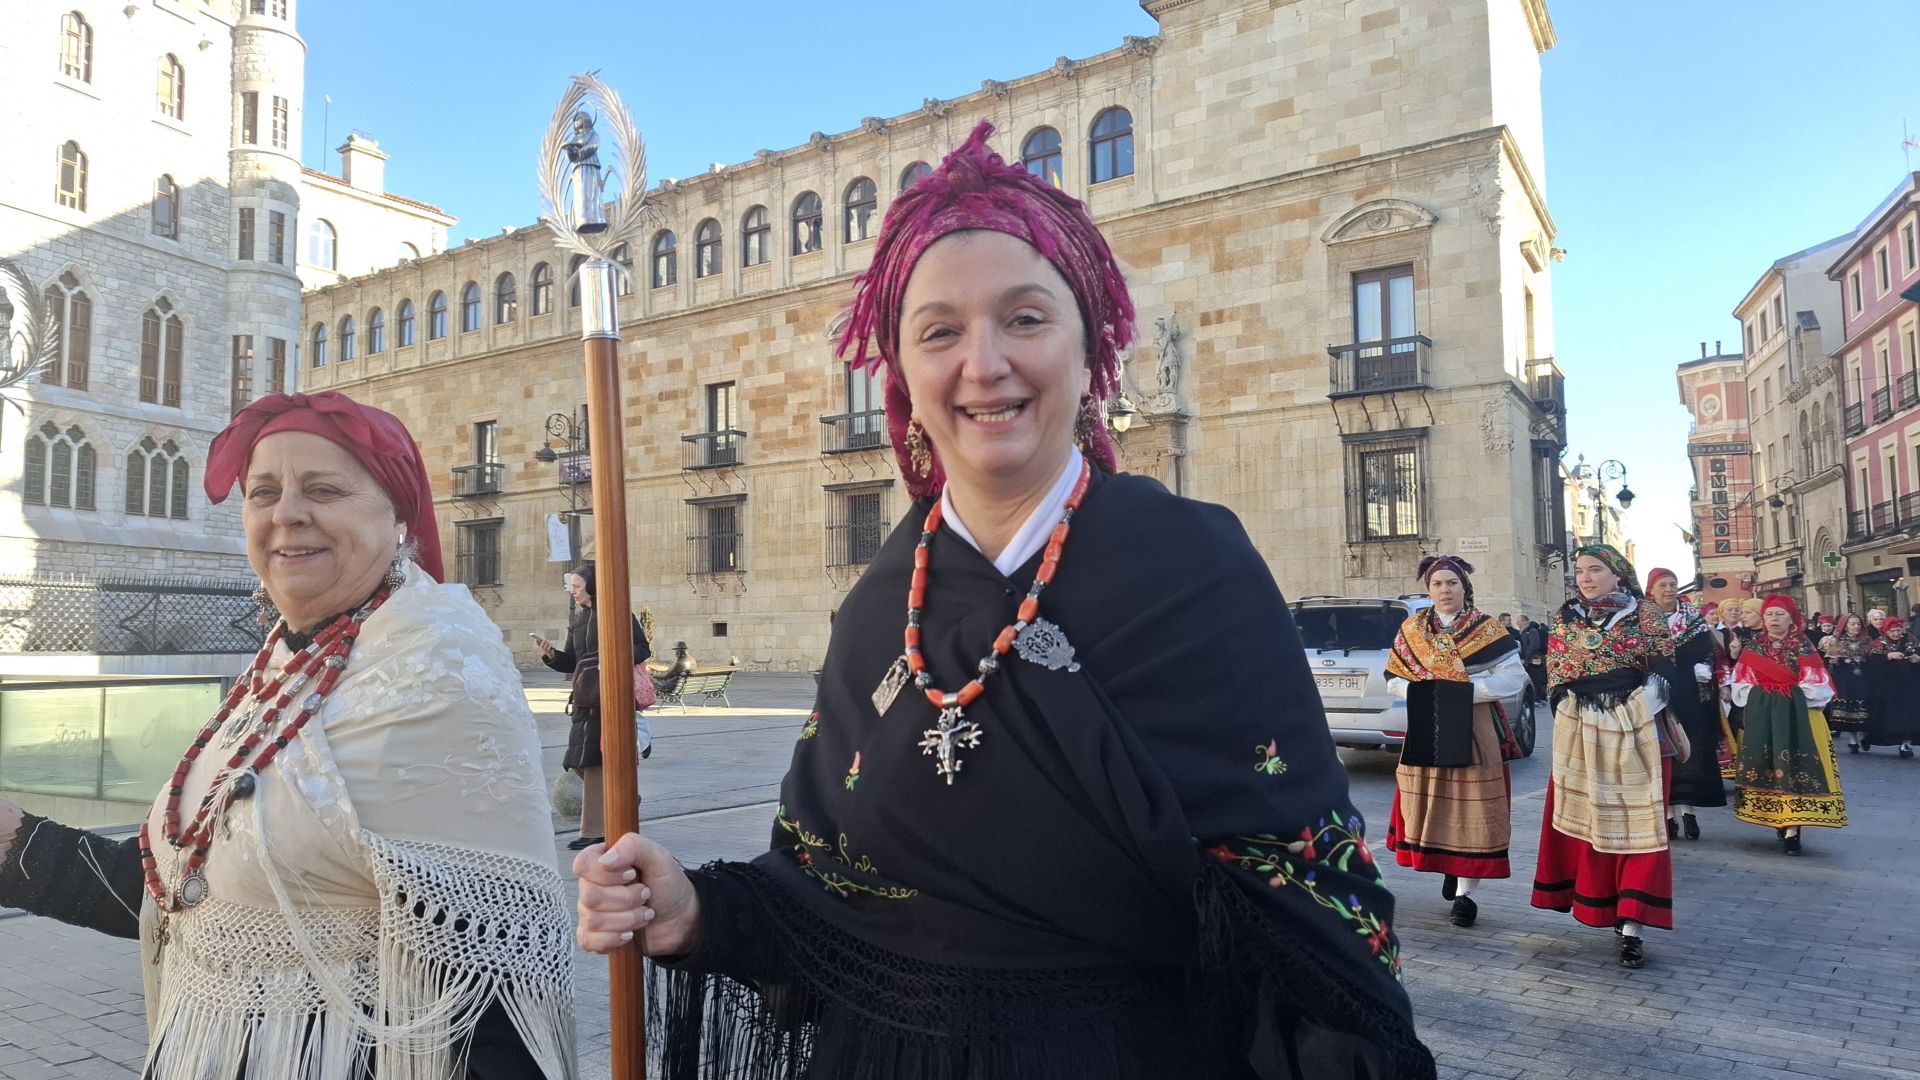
(566, 429)
(1607, 472)
(577, 185)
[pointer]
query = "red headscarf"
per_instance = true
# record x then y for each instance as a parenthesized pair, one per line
(376, 439)
(974, 189)
(1786, 604)
(1658, 572)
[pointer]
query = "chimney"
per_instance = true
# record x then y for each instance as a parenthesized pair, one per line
(1716, 348)
(362, 165)
(1703, 350)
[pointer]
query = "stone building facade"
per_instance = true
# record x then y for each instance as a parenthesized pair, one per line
(1714, 390)
(1799, 501)
(1333, 220)
(352, 225)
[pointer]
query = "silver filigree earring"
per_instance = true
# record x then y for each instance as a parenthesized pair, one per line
(397, 572)
(269, 616)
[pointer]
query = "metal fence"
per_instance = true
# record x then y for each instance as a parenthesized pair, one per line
(127, 616)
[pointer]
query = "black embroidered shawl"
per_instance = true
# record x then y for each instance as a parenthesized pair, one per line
(1149, 867)
(1437, 664)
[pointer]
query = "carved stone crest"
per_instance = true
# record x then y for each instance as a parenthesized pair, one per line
(1496, 428)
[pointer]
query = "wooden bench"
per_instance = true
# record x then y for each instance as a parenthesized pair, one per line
(675, 689)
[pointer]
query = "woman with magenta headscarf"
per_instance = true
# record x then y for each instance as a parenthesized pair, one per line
(351, 871)
(1037, 827)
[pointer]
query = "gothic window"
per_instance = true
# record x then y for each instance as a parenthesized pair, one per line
(241, 379)
(166, 207)
(756, 238)
(172, 88)
(1042, 156)
(157, 480)
(71, 188)
(76, 47)
(72, 314)
(60, 468)
(806, 223)
(162, 345)
(1111, 143)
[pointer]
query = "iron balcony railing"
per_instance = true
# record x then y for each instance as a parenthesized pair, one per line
(127, 616)
(1856, 420)
(849, 432)
(855, 543)
(712, 449)
(1883, 517)
(480, 478)
(1376, 367)
(1882, 404)
(576, 467)
(1909, 387)
(1910, 509)
(1857, 525)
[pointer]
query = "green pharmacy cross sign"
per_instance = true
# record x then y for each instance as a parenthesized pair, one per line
(1833, 560)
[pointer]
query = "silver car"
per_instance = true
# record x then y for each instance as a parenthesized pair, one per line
(1348, 640)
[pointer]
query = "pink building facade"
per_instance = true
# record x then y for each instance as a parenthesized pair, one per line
(1879, 368)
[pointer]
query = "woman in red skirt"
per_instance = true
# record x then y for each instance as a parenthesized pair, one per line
(1603, 840)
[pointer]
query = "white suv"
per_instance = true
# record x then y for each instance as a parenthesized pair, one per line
(1348, 640)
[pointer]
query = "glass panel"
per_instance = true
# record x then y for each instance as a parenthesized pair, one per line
(1366, 311)
(50, 742)
(147, 728)
(1400, 306)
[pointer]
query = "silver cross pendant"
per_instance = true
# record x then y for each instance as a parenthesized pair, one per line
(944, 742)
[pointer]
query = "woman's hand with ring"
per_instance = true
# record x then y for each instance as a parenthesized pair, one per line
(635, 886)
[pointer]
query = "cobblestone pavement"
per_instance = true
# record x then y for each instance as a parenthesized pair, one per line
(1779, 968)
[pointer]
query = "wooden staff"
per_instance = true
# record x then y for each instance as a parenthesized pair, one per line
(600, 328)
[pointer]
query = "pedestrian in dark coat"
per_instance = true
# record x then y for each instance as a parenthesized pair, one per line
(583, 738)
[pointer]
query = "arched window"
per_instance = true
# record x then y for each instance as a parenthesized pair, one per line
(542, 289)
(72, 313)
(863, 199)
(1041, 155)
(317, 349)
(806, 223)
(914, 173)
(506, 300)
(624, 278)
(376, 332)
(71, 189)
(162, 345)
(756, 238)
(706, 249)
(173, 87)
(76, 47)
(1111, 143)
(666, 259)
(157, 480)
(166, 207)
(322, 245)
(405, 320)
(60, 468)
(346, 338)
(573, 280)
(436, 316)
(408, 251)
(469, 307)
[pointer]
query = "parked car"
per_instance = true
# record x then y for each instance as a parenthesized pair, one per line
(1348, 639)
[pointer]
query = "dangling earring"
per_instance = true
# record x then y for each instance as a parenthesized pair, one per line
(918, 451)
(1086, 422)
(397, 572)
(269, 611)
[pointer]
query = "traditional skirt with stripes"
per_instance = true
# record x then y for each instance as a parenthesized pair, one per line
(1455, 820)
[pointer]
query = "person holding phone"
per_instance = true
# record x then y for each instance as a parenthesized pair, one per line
(581, 659)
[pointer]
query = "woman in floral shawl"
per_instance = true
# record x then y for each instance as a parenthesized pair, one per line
(1603, 837)
(1786, 776)
(1852, 707)
(1451, 810)
(1695, 706)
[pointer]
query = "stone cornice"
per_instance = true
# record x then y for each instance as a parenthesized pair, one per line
(1157, 8)
(1540, 22)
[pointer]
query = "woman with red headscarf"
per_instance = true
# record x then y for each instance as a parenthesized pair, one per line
(351, 872)
(1035, 828)
(1896, 687)
(1786, 777)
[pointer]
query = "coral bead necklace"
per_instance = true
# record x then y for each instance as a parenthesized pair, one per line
(1034, 638)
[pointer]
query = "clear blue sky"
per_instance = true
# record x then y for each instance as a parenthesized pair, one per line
(1688, 145)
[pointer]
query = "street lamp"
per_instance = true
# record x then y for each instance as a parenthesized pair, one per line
(1603, 474)
(569, 431)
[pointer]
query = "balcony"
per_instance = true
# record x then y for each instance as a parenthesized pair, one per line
(576, 467)
(1856, 420)
(712, 449)
(1883, 519)
(480, 478)
(1882, 404)
(1909, 390)
(1857, 525)
(1547, 386)
(850, 432)
(1910, 509)
(1379, 367)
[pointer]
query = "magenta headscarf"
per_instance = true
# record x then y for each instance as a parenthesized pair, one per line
(376, 439)
(974, 189)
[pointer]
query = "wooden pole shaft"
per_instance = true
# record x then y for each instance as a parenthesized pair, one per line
(626, 968)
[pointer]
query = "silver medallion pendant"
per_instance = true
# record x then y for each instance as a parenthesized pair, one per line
(193, 889)
(1045, 644)
(236, 728)
(890, 686)
(944, 743)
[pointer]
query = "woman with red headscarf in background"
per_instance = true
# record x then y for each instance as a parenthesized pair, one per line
(351, 872)
(1695, 706)
(1896, 687)
(1603, 836)
(1451, 809)
(1034, 828)
(1786, 776)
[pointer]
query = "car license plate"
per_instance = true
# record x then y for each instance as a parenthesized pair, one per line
(1341, 683)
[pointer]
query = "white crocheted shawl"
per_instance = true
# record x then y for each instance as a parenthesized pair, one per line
(392, 878)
